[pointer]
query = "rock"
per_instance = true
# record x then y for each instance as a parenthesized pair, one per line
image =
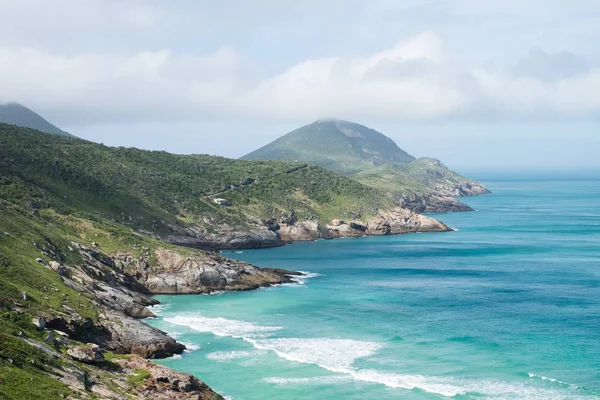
(39, 323)
(60, 269)
(49, 337)
(41, 261)
(131, 336)
(89, 354)
(400, 220)
(197, 273)
(431, 203)
(169, 384)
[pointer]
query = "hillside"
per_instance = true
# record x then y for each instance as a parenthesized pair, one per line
(340, 146)
(171, 196)
(89, 232)
(433, 174)
(424, 185)
(373, 159)
(16, 114)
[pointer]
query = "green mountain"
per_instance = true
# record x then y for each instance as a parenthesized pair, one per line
(368, 156)
(340, 146)
(16, 114)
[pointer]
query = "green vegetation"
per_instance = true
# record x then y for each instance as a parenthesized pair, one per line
(366, 155)
(151, 190)
(138, 378)
(340, 146)
(16, 114)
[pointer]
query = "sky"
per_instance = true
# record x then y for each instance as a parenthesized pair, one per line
(474, 83)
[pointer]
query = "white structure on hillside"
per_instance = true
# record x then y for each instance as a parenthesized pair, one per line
(221, 202)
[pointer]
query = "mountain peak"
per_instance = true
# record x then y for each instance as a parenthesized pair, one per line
(14, 113)
(342, 146)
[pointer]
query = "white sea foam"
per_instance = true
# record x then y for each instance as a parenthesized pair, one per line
(545, 378)
(158, 309)
(339, 356)
(301, 279)
(191, 346)
(222, 326)
(215, 293)
(226, 356)
(317, 380)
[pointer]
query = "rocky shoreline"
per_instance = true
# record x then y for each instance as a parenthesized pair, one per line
(288, 228)
(121, 285)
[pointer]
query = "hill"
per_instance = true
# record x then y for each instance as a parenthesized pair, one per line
(341, 146)
(370, 157)
(17, 114)
(89, 232)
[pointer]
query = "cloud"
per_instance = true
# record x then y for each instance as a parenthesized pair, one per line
(418, 79)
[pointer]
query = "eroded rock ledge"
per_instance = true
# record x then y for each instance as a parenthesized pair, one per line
(272, 233)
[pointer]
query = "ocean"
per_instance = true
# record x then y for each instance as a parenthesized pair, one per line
(507, 306)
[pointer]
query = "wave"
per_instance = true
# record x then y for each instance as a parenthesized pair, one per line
(189, 346)
(317, 380)
(222, 327)
(552, 380)
(158, 309)
(228, 355)
(339, 355)
(301, 279)
(215, 293)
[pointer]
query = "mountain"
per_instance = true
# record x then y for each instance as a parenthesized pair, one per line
(88, 233)
(370, 157)
(17, 114)
(341, 146)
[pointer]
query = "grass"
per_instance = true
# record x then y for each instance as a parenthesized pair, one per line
(138, 377)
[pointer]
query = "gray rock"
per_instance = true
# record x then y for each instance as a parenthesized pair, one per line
(49, 337)
(39, 323)
(89, 354)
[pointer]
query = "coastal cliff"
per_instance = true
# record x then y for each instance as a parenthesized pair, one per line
(118, 288)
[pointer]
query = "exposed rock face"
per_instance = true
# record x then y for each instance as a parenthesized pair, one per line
(89, 354)
(431, 203)
(227, 238)
(401, 220)
(197, 273)
(391, 222)
(121, 302)
(166, 383)
(39, 322)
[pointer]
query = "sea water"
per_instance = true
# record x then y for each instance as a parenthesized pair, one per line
(507, 306)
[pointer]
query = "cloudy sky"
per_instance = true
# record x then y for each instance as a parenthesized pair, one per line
(475, 83)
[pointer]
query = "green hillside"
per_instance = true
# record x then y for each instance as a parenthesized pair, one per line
(340, 146)
(16, 114)
(375, 160)
(158, 191)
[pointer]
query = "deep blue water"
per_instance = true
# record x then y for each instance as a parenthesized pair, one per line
(506, 307)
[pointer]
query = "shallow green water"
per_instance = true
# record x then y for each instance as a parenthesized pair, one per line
(507, 307)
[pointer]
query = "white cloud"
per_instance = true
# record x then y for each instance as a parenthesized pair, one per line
(416, 79)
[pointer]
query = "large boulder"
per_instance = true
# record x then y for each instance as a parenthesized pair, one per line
(89, 354)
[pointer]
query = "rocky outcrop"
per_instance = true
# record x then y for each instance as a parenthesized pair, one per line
(226, 238)
(430, 203)
(127, 377)
(89, 354)
(196, 273)
(461, 189)
(165, 383)
(401, 220)
(390, 222)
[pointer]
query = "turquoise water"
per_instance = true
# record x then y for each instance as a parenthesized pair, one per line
(506, 307)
